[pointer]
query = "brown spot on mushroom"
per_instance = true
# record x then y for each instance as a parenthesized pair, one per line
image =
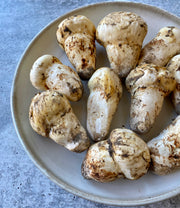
(66, 29)
(125, 155)
(84, 63)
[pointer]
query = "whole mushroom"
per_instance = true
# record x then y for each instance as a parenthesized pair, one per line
(162, 48)
(48, 73)
(124, 154)
(105, 94)
(165, 149)
(148, 85)
(122, 34)
(76, 35)
(51, 116)
(174, 67)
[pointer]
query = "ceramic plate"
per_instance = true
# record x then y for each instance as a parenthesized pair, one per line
(64, 167)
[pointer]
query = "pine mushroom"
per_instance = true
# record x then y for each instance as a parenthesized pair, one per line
(124, 154)
(122, 34)
(51, 116)
(165, 149)
(148, 85)
(105, 93)
(162, 48)
(174, 67)
(48, 73)
(76, 35)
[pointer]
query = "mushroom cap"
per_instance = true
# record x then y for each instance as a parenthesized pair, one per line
(49, 73)
(124, 154)
(106, 80)
(169, 34)
(51, 115)
(72, 25)
(121, 27)
(150, 75)
(174, 67)
(98, 164)
(165, 149)
(130, 153)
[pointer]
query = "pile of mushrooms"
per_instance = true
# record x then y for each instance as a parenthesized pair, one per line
(150, 74)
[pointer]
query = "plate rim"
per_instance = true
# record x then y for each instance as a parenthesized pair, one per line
(32, 155)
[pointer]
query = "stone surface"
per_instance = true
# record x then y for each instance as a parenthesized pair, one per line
(22, 184)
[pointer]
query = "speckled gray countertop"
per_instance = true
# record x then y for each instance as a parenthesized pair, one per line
(21, 182)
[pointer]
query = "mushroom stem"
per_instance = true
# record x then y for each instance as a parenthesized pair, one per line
(146, 105)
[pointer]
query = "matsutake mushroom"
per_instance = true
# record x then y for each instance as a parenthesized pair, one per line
(105, 94)
(124, 154)
(122, 34)
(76, 35)
(49, 73)
(148, 85)
(51, 115)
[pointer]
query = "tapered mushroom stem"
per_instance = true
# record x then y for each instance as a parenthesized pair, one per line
(148, 85)
(76, 35)
(122, 34)
(151, 101)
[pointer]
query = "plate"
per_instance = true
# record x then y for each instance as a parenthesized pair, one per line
(64, 167)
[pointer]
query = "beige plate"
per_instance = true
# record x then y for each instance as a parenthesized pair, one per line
(64, 167)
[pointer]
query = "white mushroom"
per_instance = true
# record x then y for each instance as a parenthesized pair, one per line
(49, 73)
(174, 67)
(122, 34)
(76, 35)
(124, 154)
(162, 48)
(51, 115)
(105, 94)
(148, 85)
(165, 149)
